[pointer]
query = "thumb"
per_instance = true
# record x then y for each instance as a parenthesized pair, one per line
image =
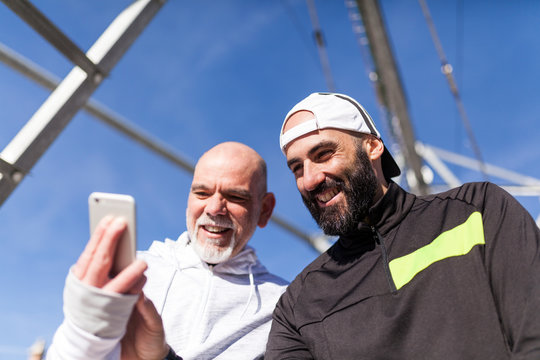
(149, 314)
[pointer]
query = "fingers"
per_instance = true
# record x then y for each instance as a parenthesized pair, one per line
(137, 288)
(145, 337)
(149, 314)
(130, 280)
(100, 261)
(80, 268)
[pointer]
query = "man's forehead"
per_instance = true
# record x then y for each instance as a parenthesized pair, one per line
(305, 145)
(222, 180)
(222, 188)
(232, 170)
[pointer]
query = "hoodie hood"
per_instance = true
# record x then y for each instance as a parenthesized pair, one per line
(181, 255)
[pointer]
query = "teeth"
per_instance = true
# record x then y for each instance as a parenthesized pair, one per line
(327, 195)
(214, 229)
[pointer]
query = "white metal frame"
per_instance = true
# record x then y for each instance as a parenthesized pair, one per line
(518, 184)
(31, 142)
(74, 92)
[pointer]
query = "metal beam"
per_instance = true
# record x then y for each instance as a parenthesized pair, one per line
(390, 89)
(321, 46)
(27, 68)
(477, 165)
(447, 70)
(72, 93)
(39, 22)
(94, 108)
(436, 163)
(319, 242)
(525, 185)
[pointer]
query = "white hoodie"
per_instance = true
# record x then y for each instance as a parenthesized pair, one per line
(219, 312)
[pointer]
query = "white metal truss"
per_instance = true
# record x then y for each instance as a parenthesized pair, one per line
(517, 184)
(31, 142)
(74, 92)
(391, 95)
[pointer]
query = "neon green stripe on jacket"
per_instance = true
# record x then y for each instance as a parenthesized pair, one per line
(455, 242)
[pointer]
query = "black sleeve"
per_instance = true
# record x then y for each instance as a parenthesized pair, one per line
(513, 266)
(285, 341)
(171, 355)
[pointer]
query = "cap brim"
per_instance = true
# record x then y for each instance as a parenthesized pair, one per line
(389, 166)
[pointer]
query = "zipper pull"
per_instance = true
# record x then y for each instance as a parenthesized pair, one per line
(375, 235)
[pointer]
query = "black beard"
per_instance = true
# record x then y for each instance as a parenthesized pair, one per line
(358, 185)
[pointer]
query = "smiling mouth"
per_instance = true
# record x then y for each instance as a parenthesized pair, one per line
(215, 229)
(327, 195)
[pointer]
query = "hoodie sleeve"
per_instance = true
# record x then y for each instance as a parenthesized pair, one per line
(72, 343)
(95, 322)
(512, 262)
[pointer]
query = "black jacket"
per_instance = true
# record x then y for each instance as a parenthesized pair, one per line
(448, 276)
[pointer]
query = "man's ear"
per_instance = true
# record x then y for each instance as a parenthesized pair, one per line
(374, 147)
(268, 203)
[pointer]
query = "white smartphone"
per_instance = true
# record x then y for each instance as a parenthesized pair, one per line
(103, 204)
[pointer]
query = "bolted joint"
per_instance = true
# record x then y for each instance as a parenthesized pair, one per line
(17, 176)
(10, 173)
(97, 78)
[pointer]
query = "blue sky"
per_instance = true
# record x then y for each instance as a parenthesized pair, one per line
(206, 71)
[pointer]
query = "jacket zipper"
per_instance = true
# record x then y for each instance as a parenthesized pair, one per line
(380, 242)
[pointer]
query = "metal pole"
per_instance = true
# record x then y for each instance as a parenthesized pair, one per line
(390, 88)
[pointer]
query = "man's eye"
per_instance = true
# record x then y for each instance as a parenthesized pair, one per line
(200, 194)
(236, 199)
(296, 169)
(323, 155)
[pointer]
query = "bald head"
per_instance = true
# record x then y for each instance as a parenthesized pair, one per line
(227, 201)
(237, 155)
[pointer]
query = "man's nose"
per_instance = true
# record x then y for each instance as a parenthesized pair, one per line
(313, 176)
(216, 205)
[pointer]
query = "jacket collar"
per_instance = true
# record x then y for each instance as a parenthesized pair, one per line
(391, 208)
(383, 216)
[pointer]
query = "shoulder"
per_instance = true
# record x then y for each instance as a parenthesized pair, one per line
(270, 278)
(472, 193)
(271, 287)
(297, 286)
(490, 200)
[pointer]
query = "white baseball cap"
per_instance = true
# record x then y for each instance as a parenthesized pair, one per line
(336, 111)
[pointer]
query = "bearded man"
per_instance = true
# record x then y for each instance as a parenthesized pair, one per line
(454, 275)
(207, 296)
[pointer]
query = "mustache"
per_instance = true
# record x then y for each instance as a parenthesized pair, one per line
(221, 221)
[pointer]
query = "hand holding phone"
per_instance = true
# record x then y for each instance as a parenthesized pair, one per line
(118, 205)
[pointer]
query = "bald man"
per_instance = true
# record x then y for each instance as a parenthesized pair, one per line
(206, 294)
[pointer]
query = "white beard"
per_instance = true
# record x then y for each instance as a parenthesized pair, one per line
(211, 254)
(208, 249)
